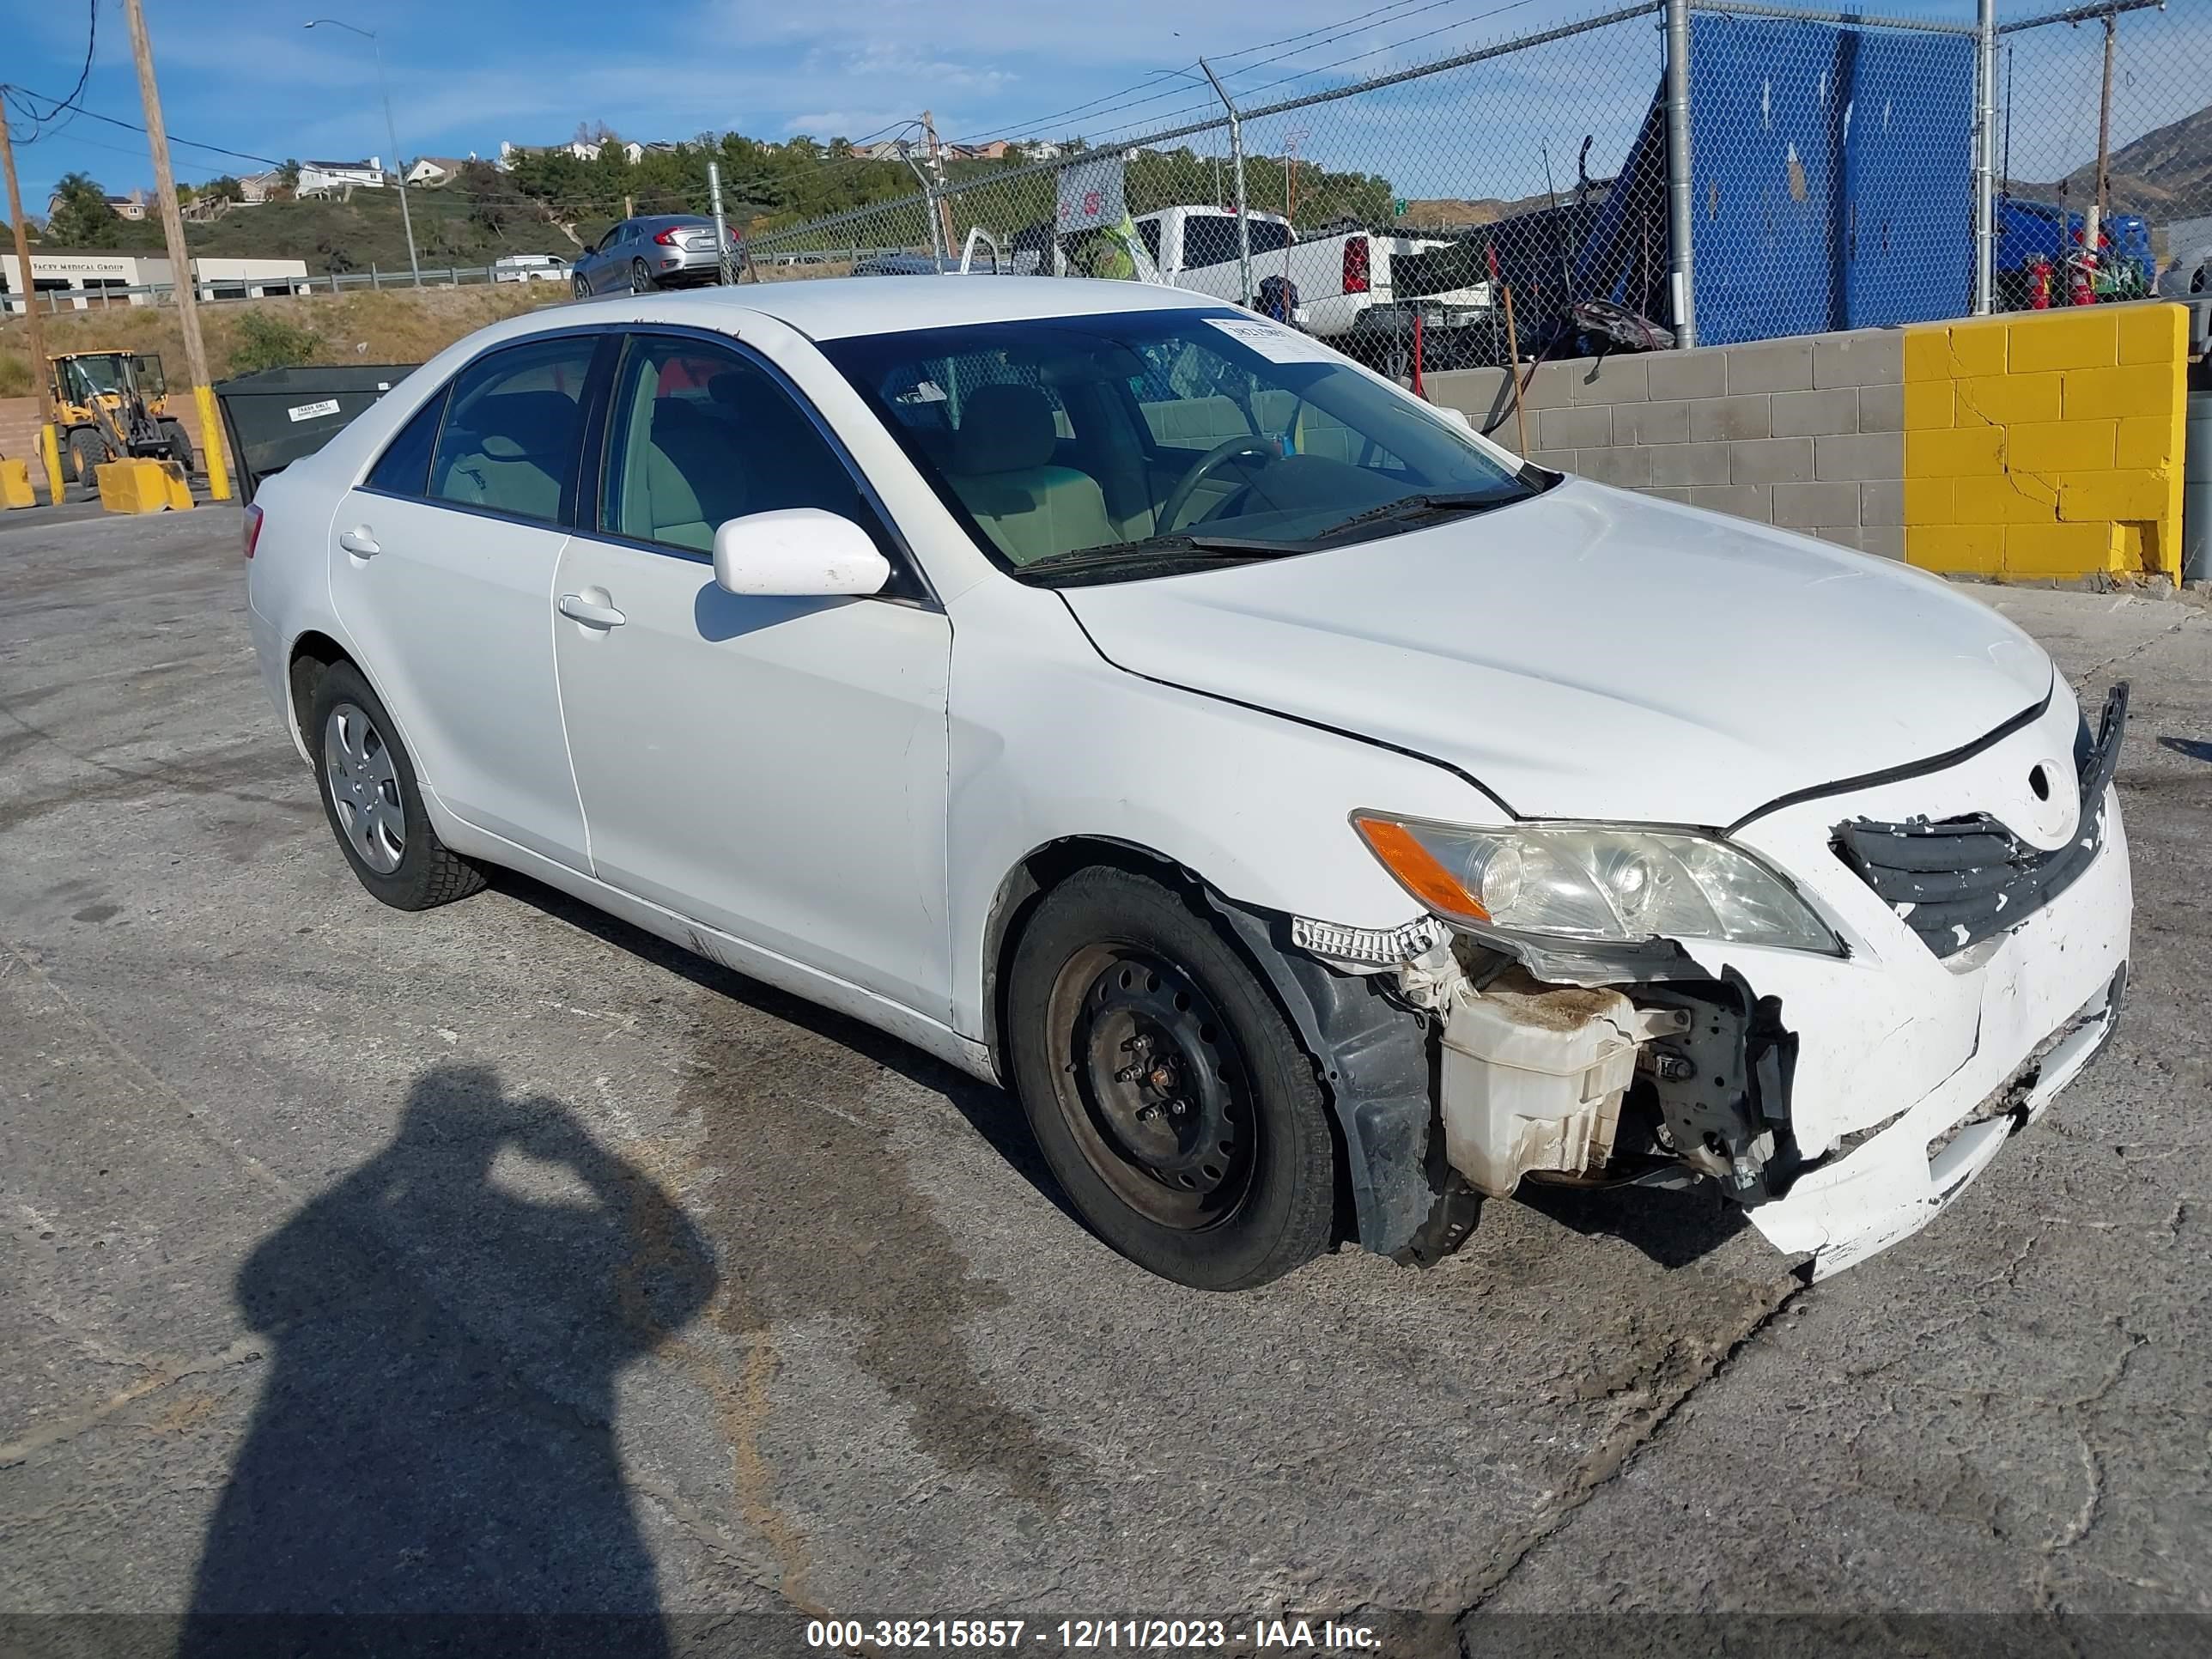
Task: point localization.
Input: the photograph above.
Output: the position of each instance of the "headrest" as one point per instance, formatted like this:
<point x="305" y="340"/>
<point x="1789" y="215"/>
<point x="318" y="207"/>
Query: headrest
<point x="510" y="425"/>
<point x="1004" y="428"/>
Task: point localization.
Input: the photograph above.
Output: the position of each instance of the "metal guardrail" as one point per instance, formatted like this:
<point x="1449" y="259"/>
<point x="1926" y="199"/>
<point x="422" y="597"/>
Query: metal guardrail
<point x="218" y="291"/>
<point x="55" y="300"/>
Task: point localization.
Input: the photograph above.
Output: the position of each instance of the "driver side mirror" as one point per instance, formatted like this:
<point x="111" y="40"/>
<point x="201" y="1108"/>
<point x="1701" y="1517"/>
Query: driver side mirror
<point x="795" y="553"/>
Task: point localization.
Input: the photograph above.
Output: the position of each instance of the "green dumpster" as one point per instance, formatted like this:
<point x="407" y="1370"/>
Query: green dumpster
<point x="280" y="414"/>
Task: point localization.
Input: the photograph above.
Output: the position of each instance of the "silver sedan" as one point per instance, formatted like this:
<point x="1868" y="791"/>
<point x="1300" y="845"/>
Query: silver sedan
<point x="663" y="250"/>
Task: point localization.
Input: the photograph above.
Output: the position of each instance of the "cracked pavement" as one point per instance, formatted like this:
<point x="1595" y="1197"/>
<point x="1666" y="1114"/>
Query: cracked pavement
<point x="504" y="1259"/>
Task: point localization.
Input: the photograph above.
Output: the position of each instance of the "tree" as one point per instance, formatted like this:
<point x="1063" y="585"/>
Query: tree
<point x="224" y="188"/>
<point x="81" y="217"/>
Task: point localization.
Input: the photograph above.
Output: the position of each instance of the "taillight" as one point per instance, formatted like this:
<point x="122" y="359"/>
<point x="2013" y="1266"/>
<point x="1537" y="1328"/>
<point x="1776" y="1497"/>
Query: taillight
<point x="1355" y="264"/>
<point x="666" y="238"/>
<point x="253" y="530"/>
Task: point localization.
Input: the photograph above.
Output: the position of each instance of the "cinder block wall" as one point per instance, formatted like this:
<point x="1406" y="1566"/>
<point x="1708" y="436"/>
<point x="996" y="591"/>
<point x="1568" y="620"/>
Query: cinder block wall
<point x="2048" y="444"/>
<point x="1807" y="434"/>
<point x="2038" y="446"/>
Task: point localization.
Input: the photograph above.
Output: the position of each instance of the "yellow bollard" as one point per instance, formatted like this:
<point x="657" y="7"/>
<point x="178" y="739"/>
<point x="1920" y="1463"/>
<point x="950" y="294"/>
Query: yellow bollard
<point x="218" y="468"/>
<point x="50" y="452"/>
<point x="15" y="483"/>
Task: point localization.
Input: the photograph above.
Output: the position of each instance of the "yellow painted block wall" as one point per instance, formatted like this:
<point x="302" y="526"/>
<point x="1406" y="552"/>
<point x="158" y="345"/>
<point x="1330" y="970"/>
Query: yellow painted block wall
<point x="2047" y="444"/>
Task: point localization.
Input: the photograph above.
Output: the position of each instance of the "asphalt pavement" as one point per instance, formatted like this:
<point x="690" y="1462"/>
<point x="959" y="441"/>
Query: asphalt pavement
<point x="504" y="1260"/>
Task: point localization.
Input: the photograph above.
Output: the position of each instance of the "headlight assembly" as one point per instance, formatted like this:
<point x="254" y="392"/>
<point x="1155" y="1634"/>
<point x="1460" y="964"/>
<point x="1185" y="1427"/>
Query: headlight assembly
<point x="1589" y="882"/>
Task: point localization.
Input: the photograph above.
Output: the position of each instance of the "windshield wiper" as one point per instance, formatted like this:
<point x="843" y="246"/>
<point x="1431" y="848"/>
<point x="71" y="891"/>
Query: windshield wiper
<point x="1169" y="547"/>
<point x="1406" y="506"/>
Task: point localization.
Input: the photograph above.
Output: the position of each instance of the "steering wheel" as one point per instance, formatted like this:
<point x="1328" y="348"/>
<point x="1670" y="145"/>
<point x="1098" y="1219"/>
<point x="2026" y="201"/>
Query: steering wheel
<point x="1179" y="498"/>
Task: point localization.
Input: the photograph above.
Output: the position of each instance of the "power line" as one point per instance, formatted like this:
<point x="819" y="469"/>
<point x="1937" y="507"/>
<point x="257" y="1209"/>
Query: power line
<point x="91" y="43"/>
<point x="22" y="93"/>
<point x="1392" y="46"/>
<point x="1225" y="56"/>
<point x="1036" y="123"/>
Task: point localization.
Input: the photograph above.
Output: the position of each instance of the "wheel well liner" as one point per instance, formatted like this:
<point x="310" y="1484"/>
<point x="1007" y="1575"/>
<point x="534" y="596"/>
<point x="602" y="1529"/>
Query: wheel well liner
<point x="314" y="654"/>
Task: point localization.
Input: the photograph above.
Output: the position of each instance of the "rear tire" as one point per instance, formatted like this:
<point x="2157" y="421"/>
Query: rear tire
<point x="370" y="797"/>
<point x="641" y="279"/>
<point x="1171" y="1099"/>
<point x="86" y="452"/>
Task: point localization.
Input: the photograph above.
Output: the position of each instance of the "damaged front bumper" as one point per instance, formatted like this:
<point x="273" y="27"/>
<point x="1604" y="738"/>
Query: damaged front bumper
<point x="1844" y="1100"/>
<point x="1896" y="1180"/>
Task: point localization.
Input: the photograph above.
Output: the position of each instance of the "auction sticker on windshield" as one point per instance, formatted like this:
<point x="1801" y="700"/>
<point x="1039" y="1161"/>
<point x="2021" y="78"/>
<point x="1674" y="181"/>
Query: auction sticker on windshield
<point x="1276" y="344"/>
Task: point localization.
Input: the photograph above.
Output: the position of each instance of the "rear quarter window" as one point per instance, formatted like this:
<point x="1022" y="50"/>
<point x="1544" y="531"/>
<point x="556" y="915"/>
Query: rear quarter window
<point x="403" y="469"/>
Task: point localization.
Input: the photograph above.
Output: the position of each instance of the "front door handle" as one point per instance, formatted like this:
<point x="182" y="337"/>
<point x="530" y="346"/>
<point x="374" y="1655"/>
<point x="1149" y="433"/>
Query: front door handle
<point x="576" y="608"/>
<point x="358" y="542"/>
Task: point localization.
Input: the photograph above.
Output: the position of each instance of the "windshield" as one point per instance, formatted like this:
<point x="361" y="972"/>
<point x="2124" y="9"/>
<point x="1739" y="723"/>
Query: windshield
<point x="96" y="374"/>
<point x="1117" y="447"/>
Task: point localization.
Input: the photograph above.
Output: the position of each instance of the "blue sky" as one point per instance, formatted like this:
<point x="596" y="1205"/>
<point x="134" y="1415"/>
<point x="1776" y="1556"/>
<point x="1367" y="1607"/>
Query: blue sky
<point x="465" y="74"/>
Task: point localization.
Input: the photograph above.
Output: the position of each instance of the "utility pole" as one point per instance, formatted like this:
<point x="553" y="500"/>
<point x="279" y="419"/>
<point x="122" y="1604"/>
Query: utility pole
<point x="1236" y="165"/>
<point x="47" y="453"/>
<point x="2104" y="148"/>
<point x="928" y="200"/>
<point x="937" y="172"/>
<point x="390" y="133"/>
<point x="721" y="227"/>
<point x="180" y="269"/>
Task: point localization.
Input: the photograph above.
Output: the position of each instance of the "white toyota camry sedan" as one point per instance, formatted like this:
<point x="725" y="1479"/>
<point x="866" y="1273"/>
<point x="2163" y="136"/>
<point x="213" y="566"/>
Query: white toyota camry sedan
<point x="1321" y="819"/>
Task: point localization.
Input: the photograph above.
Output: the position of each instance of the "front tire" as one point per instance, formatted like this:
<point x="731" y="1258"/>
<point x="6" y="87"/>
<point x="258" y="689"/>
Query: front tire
<point x="372" y="800"/>
<point x="579" y="288"/>
<point x="1169" y="1095"/>
<point x="87" y="452"/>
<point x="180" y="445"/>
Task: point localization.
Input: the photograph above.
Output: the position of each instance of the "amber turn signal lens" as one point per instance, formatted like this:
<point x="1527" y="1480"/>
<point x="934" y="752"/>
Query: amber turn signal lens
<point x="1416" y="869"/>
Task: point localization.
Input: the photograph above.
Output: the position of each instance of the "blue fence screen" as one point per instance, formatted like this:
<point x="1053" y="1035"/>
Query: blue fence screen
<point x="1834" y="176"/>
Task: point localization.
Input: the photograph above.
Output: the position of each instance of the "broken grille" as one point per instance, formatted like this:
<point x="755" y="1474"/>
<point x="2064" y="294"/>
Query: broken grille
<point x="1959" y="881"/>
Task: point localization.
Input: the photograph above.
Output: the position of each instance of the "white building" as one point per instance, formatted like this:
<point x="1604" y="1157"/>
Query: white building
<point x="582" y="149"/>
<point x="79" y="281"/>
<point x="322" y="178"/>
<point x="429" y="171"/>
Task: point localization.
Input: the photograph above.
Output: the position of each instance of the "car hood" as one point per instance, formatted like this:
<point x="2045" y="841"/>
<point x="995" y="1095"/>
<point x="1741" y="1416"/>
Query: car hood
<point x="1594" y="655"/>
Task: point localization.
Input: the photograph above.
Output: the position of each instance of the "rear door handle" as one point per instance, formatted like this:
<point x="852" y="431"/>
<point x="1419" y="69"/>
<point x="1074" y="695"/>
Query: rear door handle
<point x="577" y="608"/>
<point x="358" y="542"/>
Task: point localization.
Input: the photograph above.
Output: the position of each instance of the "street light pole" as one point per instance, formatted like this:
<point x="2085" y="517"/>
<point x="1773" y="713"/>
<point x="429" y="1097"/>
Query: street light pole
<point x="390" y="133"/>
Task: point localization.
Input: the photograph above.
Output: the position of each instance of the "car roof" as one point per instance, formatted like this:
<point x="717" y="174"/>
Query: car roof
<point x="838" y="307"/>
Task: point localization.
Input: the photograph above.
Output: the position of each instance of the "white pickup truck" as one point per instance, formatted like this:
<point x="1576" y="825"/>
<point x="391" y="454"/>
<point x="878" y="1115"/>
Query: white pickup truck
<point x="1356" y="287"/>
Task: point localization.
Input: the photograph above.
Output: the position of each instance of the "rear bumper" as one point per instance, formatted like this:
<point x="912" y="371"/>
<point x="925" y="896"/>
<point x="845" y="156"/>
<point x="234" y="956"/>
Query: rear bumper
<point x="676" y="265"/>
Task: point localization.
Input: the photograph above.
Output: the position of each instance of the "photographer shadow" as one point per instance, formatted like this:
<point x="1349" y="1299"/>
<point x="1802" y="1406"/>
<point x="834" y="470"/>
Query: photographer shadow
<point x="435" y="1441"/>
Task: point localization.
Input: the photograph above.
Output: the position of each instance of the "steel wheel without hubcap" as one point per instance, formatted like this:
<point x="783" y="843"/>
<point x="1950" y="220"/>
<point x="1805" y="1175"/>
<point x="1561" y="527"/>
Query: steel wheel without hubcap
<point x="364" y="788"/>
<point x="1152" y="1087"/>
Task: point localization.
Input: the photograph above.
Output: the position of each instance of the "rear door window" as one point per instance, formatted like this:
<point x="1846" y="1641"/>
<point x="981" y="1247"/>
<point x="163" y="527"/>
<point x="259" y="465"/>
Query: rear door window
<point x="514" y="429"/>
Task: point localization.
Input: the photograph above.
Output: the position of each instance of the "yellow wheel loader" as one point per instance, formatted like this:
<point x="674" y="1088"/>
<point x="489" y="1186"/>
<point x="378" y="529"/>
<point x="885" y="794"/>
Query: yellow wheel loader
<point x="112" y="404"/>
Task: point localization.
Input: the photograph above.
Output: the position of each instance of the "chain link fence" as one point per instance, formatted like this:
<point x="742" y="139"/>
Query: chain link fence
<point x="2132" y="82"/>
<point x="1513" y="200"/>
